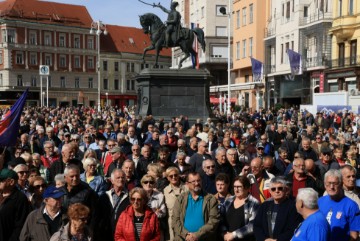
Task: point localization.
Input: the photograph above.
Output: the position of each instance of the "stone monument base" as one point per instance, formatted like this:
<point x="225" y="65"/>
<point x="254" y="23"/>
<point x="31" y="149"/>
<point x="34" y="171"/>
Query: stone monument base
<point x="171" y="93"/>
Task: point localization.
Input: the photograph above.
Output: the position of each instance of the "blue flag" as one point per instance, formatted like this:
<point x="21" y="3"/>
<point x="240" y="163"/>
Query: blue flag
<point x="295" y="62"/>
<point x="257" y="70"/>
<point x="10" y="123"/>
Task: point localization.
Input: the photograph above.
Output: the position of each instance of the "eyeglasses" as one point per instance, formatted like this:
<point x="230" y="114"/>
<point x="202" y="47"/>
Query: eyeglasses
<point x="93" y="165"/>
<point x="135" y="199"/>
<point x="210" y="167"/>
<point x="111" y="145"/>
<point x="327" y="154"/>
<point x="328" y="184"/>
<point x="86" y="137"/>
<point x="238" y="187"/>
<point x="273" y="189"/>
<point x="149" y="182"/>
<point x="23" y="172"/>
<point x="40" y="186"/>
<point x="174" y="176"/>
<point x="135" y="149"/>
<point x="67" y="136"/>
<point x="75" y="140"/>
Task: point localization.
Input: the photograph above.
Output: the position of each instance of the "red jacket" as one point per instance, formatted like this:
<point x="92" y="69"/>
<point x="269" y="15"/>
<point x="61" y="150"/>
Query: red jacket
<point x="125" y="229"/>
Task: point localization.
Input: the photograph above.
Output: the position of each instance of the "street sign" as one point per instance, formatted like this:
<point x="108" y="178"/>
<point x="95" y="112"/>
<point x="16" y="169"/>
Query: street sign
<point x="44" y="70"/>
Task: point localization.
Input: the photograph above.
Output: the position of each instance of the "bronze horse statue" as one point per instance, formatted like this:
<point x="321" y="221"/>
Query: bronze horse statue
<point x="184" y="38"/>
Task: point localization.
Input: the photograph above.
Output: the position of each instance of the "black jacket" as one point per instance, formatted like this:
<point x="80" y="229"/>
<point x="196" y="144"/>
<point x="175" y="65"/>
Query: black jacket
<point x="106" y="217"/>
<point x="13" y="213"/>
<point x="287" y="220"/>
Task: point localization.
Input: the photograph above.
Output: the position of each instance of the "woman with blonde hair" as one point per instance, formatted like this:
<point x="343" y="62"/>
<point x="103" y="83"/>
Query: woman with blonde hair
<point x="138" y="222"/>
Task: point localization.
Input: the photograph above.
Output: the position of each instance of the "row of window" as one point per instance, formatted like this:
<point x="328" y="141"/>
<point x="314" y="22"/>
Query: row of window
<point x="243" y="45"/>
<point x="130" y="84"/>
<point x="9" y="36"/>
<point x="33" y="60"/>
<point x="350" y="9"/>
<point x="241" y="17"/>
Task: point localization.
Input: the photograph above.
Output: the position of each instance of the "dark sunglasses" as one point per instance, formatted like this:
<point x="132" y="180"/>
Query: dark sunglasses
<point x="327" y="154"/>
<point x="38" y="186"/>
<point x="149" y="182"/>
<point x="173" y="176"/>
<point x="23" y="172"/>
<point x="135" y="199"/>
<point x="273" y="189"/>
<point x="208" y="167"/>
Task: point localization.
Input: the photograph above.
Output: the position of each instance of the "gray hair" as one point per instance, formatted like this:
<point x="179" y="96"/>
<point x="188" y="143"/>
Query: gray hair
<point x="88" y="161"/>
<point x="203" y="163"/>
<point x="59" y="177"/>
<point x="71" y="167"/>
<point x="120" y="136"/>
<point x="309" y="197"/>
<point x="113" y="173"/>
<point x="220" y="149"/>
<point x="279" y="179"/>
<point x="180" y="153"/>
<point x="18" y="166"/>
<point x="333" y="173"/>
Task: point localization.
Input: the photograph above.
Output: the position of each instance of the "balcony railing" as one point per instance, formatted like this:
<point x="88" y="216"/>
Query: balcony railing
<point x="313" y="62"/>
<point x="270" y="69"/>
<point x="314" y="18"/>
<point x="344" y="62"/>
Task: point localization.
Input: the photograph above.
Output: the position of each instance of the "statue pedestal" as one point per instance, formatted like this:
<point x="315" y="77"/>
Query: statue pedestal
<point x="171" y="93"/>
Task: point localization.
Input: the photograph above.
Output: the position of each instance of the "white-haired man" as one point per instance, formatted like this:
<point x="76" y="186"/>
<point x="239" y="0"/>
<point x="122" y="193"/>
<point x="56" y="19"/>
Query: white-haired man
<point x="314" y="226"/>
<point x="341" y="212"/>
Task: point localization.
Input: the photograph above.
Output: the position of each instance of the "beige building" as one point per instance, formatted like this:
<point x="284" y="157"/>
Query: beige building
<point x="249" y="20"/>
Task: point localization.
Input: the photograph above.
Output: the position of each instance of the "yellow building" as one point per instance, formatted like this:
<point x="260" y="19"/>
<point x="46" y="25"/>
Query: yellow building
<point x="249" y="21"/>
<point x="343" y="73"/>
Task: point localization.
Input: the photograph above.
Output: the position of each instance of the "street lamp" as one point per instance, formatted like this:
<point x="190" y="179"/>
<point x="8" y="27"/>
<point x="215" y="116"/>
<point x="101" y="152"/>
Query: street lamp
<point x="223" y="11"/>
<point x="107" y="99"/>
<point x="100" y="28"/>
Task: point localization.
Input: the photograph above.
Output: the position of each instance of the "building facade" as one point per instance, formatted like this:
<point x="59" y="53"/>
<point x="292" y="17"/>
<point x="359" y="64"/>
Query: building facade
<point x="206" y="15"/>
<point x="302" y="26"/>
<point x="35" y="33"/>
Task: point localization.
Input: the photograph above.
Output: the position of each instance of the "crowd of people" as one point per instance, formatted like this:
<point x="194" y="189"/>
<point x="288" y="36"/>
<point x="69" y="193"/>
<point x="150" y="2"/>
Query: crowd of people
<point x="79" y="174"/>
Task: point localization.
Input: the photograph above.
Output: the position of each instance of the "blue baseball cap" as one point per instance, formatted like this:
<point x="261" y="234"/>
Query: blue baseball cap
<point x="53" y="192"/>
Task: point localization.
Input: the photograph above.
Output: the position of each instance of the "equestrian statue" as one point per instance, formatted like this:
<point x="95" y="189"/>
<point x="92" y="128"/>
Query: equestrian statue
<point x="171" y="34"/>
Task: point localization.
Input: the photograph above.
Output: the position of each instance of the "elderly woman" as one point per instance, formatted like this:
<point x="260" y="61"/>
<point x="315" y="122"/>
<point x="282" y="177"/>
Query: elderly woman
<point x="156" y="199"/>
<point x="22" y="183"/>
<point x="240" y="211"/>
<point x="92" y="153"/>
<point x="91" y="177"/>
<point x="156" y="171"/>
<point x="171" y="192"/>
<point x="76" y="229"/>
<point x="138" y="221"/>
<point x="37" y="188"/>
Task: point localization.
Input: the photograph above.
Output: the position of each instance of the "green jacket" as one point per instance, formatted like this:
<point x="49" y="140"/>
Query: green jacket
<point x="211" y="218"/>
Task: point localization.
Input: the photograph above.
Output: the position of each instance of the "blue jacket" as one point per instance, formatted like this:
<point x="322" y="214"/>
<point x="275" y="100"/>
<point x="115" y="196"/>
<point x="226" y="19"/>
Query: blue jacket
<point x="98" y="184"/>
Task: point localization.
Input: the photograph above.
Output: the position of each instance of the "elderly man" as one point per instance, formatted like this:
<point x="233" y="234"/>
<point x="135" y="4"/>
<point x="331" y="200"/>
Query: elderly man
<point x="208" y="176"/>
<point x="325" y="162"/>
<point x="276" y="219"/>
<point x="222" y="164"/>
<point x="117" y="159"/>
<point x="201" y="155"/>
<point x="50" y="156"/>
<point x="14" y="206"/>
<point x="299" y="178"/>
<point x="259" y="179"/>
<point x="111" y="205"/>
<point x="236" y="166"/>
<point x="306" y="149"/>
<point x="314" y="226"/>
<point x="42" y="223"/>
<point x="67" y="157"/>
<point x="341" y="212"/>
<point x="348" y="174"/>
<point x="197" y="216"/>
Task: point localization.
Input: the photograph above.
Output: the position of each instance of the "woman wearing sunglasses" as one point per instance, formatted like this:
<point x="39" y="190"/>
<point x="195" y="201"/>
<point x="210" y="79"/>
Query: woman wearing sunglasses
<point x="138" y="222"/>
<point x="37" y="188"/>
<point x="239" y="212"/>
<point x="171" y="193"/>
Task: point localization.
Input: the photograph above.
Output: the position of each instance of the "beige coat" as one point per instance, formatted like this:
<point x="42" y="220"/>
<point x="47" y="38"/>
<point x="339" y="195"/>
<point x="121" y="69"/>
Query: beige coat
<point x="171" y="195"/>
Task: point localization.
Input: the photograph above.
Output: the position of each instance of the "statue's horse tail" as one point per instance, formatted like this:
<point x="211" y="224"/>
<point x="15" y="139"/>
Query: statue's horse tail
<point x="201" y="38"/>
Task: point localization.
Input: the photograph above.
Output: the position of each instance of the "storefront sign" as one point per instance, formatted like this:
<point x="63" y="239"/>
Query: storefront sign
<point x="321" y="83"/>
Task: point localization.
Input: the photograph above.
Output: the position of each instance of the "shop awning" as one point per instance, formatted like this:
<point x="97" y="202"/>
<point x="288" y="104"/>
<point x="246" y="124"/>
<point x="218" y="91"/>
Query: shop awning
<point x="216" y="101"/>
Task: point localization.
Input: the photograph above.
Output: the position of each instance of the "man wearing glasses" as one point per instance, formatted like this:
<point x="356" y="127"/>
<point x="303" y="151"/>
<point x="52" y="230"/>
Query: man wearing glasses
<point x="208" y="176"/>
<point x="341" y="212"/>
<point x="197" y="216"/>
<point x="276" y="219"/>
<point x="326" y="163"/>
